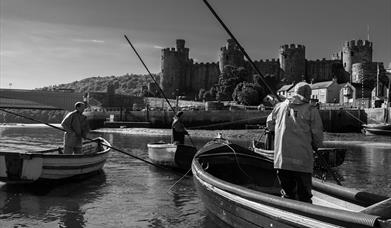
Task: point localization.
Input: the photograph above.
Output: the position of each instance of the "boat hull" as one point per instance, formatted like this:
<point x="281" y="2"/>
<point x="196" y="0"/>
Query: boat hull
<point x="377" y="129"/>
<point x="171" y="155"/>
<point x="51" y="165"/>
<point x="240" y="187"/>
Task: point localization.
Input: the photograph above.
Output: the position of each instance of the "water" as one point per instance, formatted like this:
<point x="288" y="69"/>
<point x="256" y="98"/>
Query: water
<point x="131" y="193"/>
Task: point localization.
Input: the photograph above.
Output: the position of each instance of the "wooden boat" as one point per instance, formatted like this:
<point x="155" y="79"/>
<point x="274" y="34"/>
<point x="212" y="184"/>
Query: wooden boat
<point x="331" y="157"/>
<point x="240" y="187"/>
<point x="171" y="155"/>
<point x="50" y="165"/>
<point x="377" y="129"/>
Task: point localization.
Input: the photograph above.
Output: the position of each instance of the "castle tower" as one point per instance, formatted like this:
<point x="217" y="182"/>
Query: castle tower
<point x="231" y="55"/>
<point x="175" y="69"/>
<point x="365" y="73"/>
<point x="292" y="62"/>
<point x="356" y="52"/>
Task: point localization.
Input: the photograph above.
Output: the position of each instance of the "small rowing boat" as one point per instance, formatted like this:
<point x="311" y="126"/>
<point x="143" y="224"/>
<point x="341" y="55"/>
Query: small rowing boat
<point x="377" y="129"/>
<point x="240" y="187"/>
<point x="171" y="155"/>
<point x="50" y="165"/>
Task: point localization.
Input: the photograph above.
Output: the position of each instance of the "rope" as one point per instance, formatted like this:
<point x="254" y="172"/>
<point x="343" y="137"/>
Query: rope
<point x="237" y="162"/>
<point x="351" y="115"/>
<point x="227" y="123"/>
<point x="169" y="190"/>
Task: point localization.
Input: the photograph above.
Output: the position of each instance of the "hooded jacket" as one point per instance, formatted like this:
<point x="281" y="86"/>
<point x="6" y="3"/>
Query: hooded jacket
<point x="298" y="131"/>
<point x="76" y="127"/>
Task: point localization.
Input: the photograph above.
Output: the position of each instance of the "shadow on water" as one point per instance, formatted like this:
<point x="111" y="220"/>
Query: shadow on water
<point x="50" y="202"/>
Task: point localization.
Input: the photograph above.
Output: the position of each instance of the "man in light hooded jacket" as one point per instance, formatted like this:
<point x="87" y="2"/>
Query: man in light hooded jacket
<point x="76" y="128"/>
<point x="298" y="132"/>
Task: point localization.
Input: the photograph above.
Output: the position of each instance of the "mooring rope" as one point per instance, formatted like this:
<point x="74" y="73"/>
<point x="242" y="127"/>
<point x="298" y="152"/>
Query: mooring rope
<point x="180" y="179"/>
<point x="227" y="123"/>
<point x="351" y="115"/>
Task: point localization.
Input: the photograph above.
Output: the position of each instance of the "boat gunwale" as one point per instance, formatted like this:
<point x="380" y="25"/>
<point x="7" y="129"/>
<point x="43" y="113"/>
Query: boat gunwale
<point x="287" y="204"/>
<point x="42" y="154"/>
<point x="269" y="214"/>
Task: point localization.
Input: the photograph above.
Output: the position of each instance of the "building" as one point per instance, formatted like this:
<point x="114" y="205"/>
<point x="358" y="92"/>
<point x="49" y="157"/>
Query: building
<point x="180" y="75"/>
<point x="354" y="95"/>
<point x="326" y="92"/>
<point x="286" y="91"/>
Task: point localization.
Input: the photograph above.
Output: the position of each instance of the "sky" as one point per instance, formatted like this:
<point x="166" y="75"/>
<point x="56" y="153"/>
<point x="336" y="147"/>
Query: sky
<point x="50" y="42"/>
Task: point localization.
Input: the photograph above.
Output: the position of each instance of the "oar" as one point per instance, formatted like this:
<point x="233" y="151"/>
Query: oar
<point x="154" y="80"/>
<point x="29" y="118"/>
<point x="191" y="140"/>
<point x="263" y="80"/>
<point x="328" y="167"/>
<point x="62" y="129"/>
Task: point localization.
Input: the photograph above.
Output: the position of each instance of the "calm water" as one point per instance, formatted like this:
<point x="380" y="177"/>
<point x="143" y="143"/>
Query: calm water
<point x="131" y="193"/>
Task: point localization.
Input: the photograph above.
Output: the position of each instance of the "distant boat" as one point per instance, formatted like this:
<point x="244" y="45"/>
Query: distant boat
<point x="377" y="129"/>
<point x="171" y="155"/>
<point x="52" y="165"/>
<point x="240" y="187"/>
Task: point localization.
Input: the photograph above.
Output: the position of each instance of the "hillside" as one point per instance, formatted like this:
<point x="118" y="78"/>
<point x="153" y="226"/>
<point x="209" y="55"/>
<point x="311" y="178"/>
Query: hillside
<point x="129" y="84"/>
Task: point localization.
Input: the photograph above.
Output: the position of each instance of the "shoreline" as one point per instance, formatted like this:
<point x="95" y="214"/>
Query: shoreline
<point x="228" y="134"/>
<point x="358" y="139"/>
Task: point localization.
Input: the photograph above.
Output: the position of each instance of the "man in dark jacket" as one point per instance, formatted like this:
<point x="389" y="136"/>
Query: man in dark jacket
<point x="178" y="129"/>
<point x="76" y="128"/>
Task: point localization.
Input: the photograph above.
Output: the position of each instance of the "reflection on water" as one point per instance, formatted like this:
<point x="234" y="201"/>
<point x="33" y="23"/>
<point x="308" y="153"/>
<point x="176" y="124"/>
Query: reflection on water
<point x="131" y="193"/>
<point x="49" y="204"/>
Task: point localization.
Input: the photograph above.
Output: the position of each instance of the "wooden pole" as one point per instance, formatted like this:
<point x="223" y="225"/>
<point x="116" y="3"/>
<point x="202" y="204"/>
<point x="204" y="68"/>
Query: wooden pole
<point x="242" y="50"/>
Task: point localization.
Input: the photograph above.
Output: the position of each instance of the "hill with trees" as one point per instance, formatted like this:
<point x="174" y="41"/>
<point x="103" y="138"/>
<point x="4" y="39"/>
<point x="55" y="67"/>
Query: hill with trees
<point x="128" y="84"/>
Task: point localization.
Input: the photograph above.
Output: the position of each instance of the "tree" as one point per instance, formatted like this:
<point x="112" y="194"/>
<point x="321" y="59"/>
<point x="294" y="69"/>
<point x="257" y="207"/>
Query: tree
<point x="228" y="80"/>
<point x="245" y="93"/>
<point x="210" y="95"/>
<point x="201" y="94"/>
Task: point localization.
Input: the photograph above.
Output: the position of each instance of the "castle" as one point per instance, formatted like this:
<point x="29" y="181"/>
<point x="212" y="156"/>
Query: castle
<point x="181" y="75"/>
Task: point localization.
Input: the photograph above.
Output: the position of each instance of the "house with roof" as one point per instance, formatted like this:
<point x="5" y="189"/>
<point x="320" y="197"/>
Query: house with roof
<point x="286" y="91"/>
<point x="355" y="95"/>
<point x="326" y="92"/>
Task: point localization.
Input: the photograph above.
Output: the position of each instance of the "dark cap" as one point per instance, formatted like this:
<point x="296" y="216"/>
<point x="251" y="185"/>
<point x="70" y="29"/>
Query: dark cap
<point x="303" y="90"/>
<point x="79" y="103"/>
<point x="178" y="114"/>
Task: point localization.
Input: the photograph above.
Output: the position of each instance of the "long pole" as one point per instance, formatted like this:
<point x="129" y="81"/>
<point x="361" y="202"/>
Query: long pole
<point x="161" y="91"/>
<point x="242" y="50"/>
<point x="62" y="129"/>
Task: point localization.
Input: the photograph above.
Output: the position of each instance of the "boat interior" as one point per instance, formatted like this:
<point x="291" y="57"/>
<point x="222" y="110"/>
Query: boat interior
<point x="89" y="147"/>
<point x="251" y="172"/>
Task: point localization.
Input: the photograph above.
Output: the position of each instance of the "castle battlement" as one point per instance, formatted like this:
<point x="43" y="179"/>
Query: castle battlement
<point x="205" y="63"/>
<point x="273" y="60"/>
<point x="358" y="43"/>
<point x="336" y="56"/>
<point x="321" y="60"/>
<point x="287" y="47"/>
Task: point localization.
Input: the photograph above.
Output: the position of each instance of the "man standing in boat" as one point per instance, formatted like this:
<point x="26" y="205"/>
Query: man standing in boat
<point x="178" y="129"/>
<point x="298" y="132"/>
<point x="76" y="128"/>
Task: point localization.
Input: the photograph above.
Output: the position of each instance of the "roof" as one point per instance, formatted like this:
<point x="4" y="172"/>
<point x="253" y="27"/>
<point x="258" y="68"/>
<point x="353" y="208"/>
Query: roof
<point x="286" y="87"/>
<point x="321" y="85"/>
